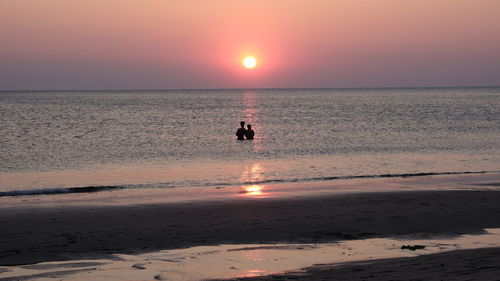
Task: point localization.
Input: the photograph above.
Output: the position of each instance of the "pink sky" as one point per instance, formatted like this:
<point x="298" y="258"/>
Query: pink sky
<point x="158" y="44"/>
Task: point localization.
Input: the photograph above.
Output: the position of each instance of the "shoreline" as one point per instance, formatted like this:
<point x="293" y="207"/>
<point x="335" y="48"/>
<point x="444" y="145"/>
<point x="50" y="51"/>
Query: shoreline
<point x="290" y="190"/>
<point x="33" y="235"/>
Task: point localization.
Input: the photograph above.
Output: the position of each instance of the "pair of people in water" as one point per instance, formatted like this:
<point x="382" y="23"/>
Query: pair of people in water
<point x="243" y="133"/>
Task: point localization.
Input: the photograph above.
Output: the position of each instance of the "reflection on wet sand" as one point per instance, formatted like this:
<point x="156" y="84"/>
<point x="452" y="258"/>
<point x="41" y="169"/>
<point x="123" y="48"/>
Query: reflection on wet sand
<point x="253" y="190"/>
<point x="233" y="261"/>
<point x="253" y="273"/>
<point x="252" y="174"/>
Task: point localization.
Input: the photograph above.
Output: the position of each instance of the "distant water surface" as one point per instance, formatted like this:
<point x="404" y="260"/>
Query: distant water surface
<point x="51" y="141"/>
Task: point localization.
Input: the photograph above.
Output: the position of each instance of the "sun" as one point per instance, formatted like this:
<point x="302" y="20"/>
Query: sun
<point x="249" y="62"/>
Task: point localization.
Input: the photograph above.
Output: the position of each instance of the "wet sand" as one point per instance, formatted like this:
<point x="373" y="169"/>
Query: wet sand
<point x="462" y="265"/>
<point x="31" y="234"/>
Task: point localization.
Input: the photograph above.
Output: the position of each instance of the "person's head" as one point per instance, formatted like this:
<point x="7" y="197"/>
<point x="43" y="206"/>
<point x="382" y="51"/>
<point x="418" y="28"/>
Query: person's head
<point x="249" y="126"/>
<point x="242" y="123"/>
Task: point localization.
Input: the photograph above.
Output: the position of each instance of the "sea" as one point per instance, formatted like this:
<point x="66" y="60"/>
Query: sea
<point x="59" y="142"/>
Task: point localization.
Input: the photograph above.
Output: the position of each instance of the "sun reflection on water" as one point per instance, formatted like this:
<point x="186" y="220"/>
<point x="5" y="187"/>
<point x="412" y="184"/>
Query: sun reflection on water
<point x="253" y="190"/>
<point x="252" y="174"/>
<point x="251" y="109"/>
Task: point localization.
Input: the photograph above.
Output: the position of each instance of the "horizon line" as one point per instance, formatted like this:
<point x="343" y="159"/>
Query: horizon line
<point x="263" y="88"/>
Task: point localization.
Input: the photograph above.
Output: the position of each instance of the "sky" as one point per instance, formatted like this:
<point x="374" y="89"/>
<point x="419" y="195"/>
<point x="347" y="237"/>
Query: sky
<point x="178" y="44"/>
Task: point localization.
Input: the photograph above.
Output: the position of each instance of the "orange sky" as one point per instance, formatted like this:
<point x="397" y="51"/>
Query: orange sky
<point x="157" y="44"/>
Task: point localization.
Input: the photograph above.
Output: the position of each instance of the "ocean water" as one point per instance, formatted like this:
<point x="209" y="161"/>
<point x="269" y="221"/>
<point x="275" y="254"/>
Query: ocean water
<point x="85" y="141"/>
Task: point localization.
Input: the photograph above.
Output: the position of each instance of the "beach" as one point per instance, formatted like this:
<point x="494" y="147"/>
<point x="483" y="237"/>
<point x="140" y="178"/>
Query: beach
<point x="34" y="234"/>
<point x="119" y="185"/>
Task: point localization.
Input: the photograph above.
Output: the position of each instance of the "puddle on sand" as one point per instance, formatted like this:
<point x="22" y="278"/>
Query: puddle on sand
<point x="230" y="261"/>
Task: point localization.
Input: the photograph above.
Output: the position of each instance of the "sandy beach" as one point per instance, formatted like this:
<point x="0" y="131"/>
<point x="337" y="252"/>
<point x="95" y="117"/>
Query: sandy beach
<point x="31" y="235"/>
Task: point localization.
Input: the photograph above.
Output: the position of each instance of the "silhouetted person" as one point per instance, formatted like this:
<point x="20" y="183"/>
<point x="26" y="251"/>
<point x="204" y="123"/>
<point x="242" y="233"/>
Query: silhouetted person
<point x="240" y="133"/>
<point x="249" y="133"/>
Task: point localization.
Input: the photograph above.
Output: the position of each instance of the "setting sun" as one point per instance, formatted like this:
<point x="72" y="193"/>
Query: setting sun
<point x="249" y="62"/>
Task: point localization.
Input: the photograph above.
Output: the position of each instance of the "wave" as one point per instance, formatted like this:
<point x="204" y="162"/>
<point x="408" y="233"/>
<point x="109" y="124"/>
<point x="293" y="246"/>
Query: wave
<point x="61" y="190"/>
<point x="91" y="189"/>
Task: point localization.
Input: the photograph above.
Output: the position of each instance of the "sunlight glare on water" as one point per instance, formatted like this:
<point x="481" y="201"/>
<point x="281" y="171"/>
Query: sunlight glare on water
<point x="180" y="138"/>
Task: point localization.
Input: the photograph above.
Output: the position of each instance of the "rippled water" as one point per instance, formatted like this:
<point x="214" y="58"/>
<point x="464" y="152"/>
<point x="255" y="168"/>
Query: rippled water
<point x="181" y="138"/>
